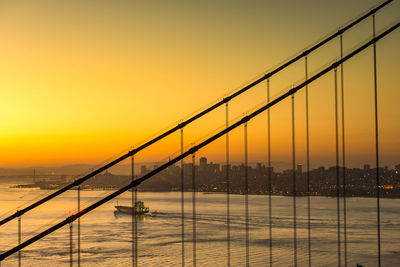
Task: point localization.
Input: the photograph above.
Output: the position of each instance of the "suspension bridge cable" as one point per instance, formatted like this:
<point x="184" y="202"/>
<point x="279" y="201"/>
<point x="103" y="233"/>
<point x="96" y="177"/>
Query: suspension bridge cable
<point x="269" y="176"/>
<point x="337" y="170"/>
<point x="246" y="195"/>
<point x="308" y="167"/>
<point x="378" y="211"/>
<point x="71" y="260"/>
<point x="294" y="187"/>
<point x="192" y="150"/>
<point x="228" y="216"/>
<point x="343" y="158"/>
<point x="136" y="231"/>
<point x="194" y="208"/>
<point x="133" y="224"/>
<point x="19" y="240"/>
<point x="182" y="206"/>
<point x="195" y="117"/>
<point x="79" y="226"/>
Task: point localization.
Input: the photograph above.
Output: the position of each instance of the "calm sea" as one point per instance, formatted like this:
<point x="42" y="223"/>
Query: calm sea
<point x="106" y="235"/>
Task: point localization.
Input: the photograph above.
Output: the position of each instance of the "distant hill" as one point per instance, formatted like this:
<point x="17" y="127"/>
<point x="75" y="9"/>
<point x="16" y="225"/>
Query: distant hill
<point x="74" y="169"/>
<point x="67" y="169"/>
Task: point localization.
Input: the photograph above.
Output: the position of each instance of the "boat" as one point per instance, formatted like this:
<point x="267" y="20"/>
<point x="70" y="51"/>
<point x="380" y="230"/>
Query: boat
<point x="139" y="206"/>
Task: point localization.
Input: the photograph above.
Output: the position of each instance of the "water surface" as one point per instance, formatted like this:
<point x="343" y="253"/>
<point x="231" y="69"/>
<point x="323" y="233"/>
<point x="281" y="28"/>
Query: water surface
<point x="106" y="236"/>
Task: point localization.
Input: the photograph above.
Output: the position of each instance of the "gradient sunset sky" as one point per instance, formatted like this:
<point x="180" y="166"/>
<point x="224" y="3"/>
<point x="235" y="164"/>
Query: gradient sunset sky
<point x="83" y="80"/>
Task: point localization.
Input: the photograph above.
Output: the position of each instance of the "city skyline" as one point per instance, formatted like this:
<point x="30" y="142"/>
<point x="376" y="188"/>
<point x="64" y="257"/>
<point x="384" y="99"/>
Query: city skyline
<point x="211" y="177"/>
<point x="125" y="169"/>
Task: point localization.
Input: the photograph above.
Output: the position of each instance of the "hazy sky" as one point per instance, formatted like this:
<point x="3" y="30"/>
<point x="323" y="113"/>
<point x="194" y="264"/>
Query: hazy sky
<point x="83" y="80"/>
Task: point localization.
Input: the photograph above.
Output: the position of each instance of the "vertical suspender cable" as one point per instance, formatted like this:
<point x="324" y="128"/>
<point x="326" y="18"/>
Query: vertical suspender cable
<point x="79" y="227"/>
<point x="308" y="167"/>
<point x="246" y="197"/>
<point x="19" y="240"/>
<point x="269" y="176"/>
<point x="337" y="171"/>
<point x="136" y="229"/>
<point x="294" y="188"/>
<point x="228" y="216"/>
<point x="70" y="246"/>
<point x="378" y="211"/>
<point x="343" y="157"/>
<point x="182" y="205"/>
<point x="194" y="206"/>
<point x="133" y="212"/>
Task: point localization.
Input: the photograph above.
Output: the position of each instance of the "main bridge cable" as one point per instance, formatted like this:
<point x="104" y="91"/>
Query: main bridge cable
<point x="196" y="148"/>
<point x="195" y="117"/>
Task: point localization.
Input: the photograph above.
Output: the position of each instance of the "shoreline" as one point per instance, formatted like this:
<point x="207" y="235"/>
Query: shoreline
<point x="332" y="194"/>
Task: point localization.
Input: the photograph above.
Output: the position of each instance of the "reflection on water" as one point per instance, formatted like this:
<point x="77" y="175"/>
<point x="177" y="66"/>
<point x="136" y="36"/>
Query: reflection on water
<point x="106" y="236"/>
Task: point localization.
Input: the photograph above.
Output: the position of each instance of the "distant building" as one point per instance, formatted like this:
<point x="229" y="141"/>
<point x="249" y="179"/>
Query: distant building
<point x="367" y="167"/>
<point x="287" y="172"/>
<point x="187" y="167"/>
<point x="213" y="167"/>
<point x="203" y="162"/>
<point x="397" y="168"/>
<point x="270" y="168"/>
<point x="224" y="168"/>
<point x="386" y="169"/>
<point x="299" y="168"/>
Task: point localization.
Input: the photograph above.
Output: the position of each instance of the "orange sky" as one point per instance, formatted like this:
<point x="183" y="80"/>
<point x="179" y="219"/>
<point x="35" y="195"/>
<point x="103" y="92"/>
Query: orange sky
<point x="82" y="81"/>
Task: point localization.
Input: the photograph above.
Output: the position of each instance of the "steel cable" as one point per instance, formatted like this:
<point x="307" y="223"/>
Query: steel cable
<point x="228" y="218"/>
<point x="182" y="206"/>
<point x="246" y="195"/>
<point x="269" y="176"/>
<point x="337" y="170"/>
<point x="194" y="208"/>
<point x="343" y="158"/>
<point x="294" y="187"/>
<point x="308" y="167"/>
<point x="378" y="211"/>
<point x="133" y="221"/>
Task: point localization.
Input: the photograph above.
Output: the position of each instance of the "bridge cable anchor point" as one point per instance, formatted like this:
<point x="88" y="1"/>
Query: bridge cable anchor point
<point x="181" y="125"/>
<point x="268" y="75"/>
<point x="226" y="99"/>
<point x="306" y="52"/>
<point x="18" y="213"/>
